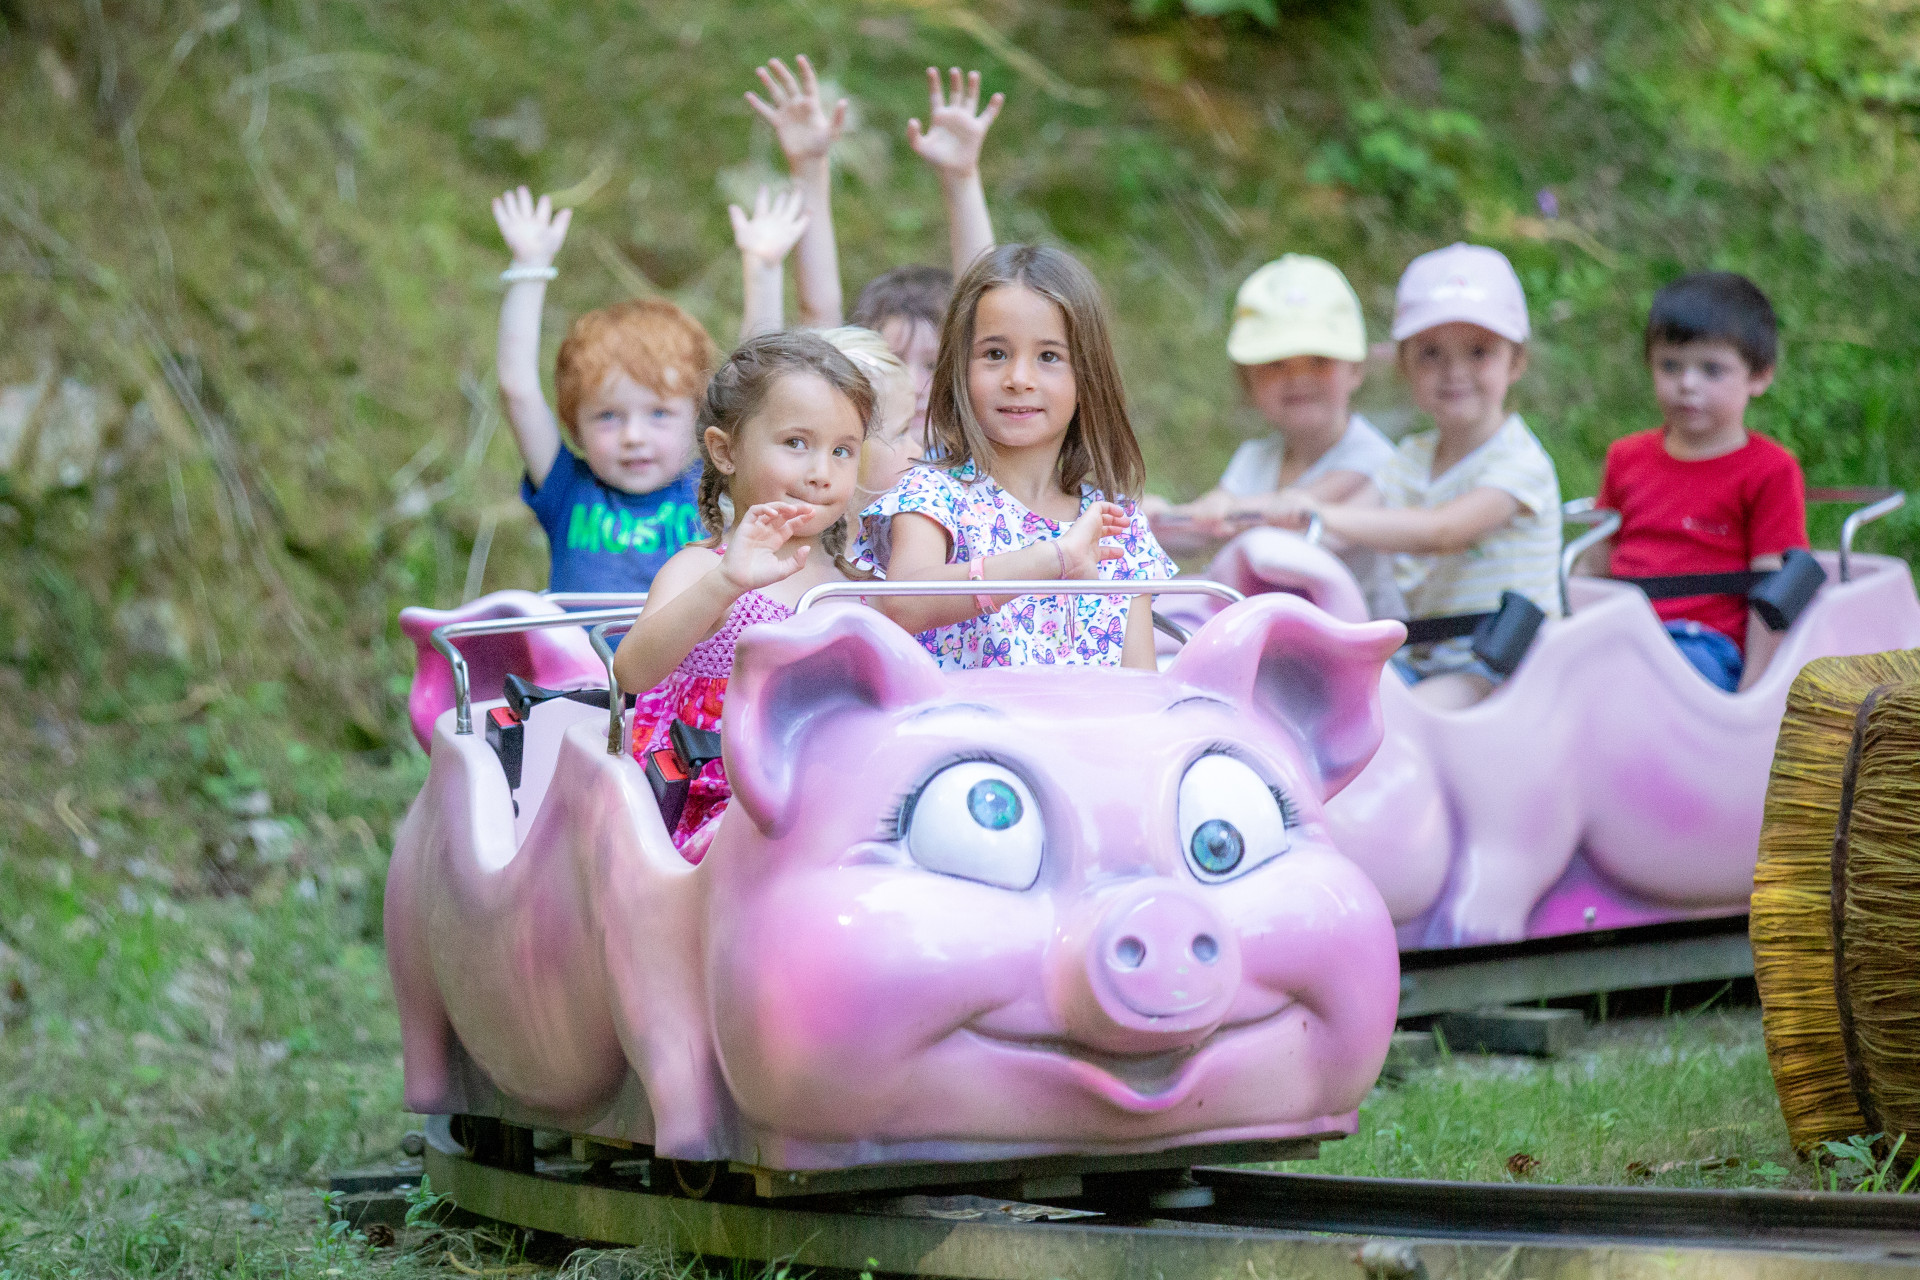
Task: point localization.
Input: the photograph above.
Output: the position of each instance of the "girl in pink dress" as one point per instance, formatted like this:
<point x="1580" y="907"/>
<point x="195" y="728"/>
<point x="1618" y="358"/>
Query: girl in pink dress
<point x="1035" y="474"/>
<point x="780" y="433"/>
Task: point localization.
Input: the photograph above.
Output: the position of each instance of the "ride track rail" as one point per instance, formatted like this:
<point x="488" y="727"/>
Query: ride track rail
<point x="1260" y="1226"/>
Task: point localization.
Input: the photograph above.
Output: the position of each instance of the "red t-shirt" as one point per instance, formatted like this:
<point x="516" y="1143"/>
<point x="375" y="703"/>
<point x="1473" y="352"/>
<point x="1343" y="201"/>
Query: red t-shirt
<point x="1710" y="516"/>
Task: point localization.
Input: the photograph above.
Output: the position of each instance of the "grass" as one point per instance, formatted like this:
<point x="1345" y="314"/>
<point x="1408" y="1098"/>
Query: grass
<point x="260" y="230"/>
<point x="1684" y="1101"/>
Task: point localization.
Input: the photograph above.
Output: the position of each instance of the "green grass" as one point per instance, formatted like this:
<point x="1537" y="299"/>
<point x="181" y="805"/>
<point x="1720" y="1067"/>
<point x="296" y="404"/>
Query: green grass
<point x="1677" y="1102"/>
<point x="266" y="223"/>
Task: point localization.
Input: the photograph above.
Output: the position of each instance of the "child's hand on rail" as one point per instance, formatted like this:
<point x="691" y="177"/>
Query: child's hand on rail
<point x="956" y="124"/>
<point x="532" y="230"/>
<point x="806" y="129"/>
<point x="761" y="550"/>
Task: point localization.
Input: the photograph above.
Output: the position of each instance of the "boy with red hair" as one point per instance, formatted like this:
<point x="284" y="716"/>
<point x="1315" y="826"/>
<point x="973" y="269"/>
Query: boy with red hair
<point x="628" y="379"/>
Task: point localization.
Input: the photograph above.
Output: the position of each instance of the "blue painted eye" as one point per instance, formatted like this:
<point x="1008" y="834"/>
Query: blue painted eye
<point x="993" y="804"/>
<point x="978" y="820"/>
<point x="1217" y="847"/>
<point x="1231" y="820"/>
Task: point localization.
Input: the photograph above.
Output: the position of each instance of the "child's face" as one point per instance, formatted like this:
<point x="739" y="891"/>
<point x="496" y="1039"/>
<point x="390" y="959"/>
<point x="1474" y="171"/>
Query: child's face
<point x="1703" y="387"/>
<point x="894" y="445"/>
<point x="633" y="438"/>
<point x="917" y="344"/>
<point x="802" y="446"/>
<point x="1020" y="373"/>
<point x="1306" y="394"/>
<point x="1460" y="373"/>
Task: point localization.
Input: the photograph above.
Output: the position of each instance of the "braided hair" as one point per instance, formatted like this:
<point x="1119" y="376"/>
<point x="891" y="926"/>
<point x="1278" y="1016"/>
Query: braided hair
<point x="735" y="394"/>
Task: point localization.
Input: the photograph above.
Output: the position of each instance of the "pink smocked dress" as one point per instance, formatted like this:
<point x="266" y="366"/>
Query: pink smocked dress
<point x="696" y="692"/>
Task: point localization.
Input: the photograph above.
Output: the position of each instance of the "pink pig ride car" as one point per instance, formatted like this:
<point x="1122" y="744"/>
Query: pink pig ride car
<point x="948" y="917"/>
<point x="1604" y="784"/>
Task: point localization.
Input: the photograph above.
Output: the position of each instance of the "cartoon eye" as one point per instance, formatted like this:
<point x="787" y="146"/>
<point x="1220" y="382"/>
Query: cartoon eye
<point x="976" y="820"/>
<point x="1230" y="819"/>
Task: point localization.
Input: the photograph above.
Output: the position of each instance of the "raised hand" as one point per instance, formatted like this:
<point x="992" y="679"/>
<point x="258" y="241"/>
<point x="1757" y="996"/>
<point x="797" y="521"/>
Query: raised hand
<point x="760" y="549"/>
<point x="1081" y="547"/>
<point x="532" y="230"/>
<point x="768" y="234"/>
<point x="956" y="124"/>
<point x="805" y="127"/>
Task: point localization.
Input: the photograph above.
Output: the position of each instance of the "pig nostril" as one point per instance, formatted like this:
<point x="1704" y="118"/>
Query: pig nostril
<point x="1130" y="952"/>
<point x="1205" y="949"/>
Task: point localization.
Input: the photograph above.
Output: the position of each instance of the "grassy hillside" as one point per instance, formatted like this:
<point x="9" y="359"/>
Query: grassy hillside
<point x="245" y="253"/>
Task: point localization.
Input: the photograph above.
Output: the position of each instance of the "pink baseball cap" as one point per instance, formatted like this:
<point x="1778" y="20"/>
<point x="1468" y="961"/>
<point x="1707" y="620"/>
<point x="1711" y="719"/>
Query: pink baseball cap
<point x="1462" y="282"/>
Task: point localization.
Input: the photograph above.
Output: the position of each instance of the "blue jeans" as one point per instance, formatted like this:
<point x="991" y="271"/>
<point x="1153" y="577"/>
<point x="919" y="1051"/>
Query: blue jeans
<point x="1712" y="654"/>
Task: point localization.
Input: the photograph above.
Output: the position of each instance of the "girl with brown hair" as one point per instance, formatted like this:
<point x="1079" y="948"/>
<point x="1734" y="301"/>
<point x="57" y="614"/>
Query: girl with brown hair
<point x="1036" y="475"/>
<point x="781" y="428"/>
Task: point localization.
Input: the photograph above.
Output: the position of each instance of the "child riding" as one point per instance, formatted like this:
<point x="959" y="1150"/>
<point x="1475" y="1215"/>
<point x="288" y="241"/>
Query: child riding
<point x="1701" y="493"/>
<point x="627" y="379"/>
<point x="1299" y="343"/>
<point x="780" y="431"/>
<point x="1472" y="506"/>
<point x="1036" y="465"/>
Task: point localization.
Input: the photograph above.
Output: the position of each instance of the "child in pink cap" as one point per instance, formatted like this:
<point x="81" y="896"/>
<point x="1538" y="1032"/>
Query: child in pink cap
<point x="1472" y="507"/>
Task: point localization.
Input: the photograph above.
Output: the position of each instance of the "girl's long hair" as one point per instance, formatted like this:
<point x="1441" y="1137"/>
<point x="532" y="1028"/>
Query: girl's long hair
<point x="1100" y="442"/>
<point x="738" y="389"/>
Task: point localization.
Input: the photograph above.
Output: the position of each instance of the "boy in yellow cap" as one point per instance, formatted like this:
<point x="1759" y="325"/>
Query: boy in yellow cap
<point x="1300" y="343"/>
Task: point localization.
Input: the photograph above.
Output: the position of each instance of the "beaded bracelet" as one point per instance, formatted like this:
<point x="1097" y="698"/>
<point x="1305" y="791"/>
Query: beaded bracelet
<point x="515" y="274"/>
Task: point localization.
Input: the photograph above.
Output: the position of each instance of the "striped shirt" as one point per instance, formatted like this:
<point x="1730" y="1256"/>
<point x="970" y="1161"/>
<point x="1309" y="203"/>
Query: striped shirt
<point x="1522" y="555"/>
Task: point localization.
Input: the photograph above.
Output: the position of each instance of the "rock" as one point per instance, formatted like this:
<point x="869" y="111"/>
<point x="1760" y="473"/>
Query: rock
<point x="19" y="405"/>
<point x="73" y="422"/>
<point x="153" y="627"/>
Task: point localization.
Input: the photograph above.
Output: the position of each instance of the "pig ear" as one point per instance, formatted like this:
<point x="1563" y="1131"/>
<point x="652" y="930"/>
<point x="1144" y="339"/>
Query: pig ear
<point x="791" y="677"/>
<point x="1282" y="658"/>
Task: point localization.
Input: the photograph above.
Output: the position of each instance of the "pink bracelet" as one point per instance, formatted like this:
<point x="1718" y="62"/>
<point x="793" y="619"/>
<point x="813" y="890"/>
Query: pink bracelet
<point x="977" y="571"/>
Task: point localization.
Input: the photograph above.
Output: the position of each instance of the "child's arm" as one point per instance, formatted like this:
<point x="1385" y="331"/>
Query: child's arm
<point x="807" y="132"/>
<point x="1136" y="650"/>
<point x="1217" y="514"/>
<point x="1448" y="529"/>
<point x="1762" y="640"/>
<point x="694" y="590"/>
<point x="764" y="240"/>
<point x="956" y="130"/>
<point x="920" y="549"/>
<point x="534" y="233"/>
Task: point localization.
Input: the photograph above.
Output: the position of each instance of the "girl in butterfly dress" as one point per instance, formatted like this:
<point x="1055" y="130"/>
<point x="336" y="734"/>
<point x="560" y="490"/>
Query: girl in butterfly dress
<point x="780" y="433"/>
<point x="1036" y="475"/>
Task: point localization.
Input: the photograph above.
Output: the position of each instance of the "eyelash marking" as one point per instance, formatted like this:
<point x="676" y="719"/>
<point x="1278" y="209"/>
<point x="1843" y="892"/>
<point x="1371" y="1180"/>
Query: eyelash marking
<point x="1289" y="807"/>
<point x="895" y="822"/>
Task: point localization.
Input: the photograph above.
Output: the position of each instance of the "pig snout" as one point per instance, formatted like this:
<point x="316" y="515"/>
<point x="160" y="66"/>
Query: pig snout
<point x="1151" y="967"/>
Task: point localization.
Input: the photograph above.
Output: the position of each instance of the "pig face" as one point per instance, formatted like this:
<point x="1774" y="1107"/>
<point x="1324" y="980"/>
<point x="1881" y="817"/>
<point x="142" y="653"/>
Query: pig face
<point x="1055" y="906"/>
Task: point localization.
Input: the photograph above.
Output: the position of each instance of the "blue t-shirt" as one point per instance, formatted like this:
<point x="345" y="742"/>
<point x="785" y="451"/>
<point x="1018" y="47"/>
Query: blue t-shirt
<point x="604" y="539"/>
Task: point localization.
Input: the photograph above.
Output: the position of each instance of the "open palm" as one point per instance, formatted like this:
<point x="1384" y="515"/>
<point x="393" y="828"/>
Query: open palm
<point x="805" y="127"/>
<point x="769" y="233"/>
<point x="956" y="123"/>
<point x="532" y="230"/>
<point x="760" y="551"/>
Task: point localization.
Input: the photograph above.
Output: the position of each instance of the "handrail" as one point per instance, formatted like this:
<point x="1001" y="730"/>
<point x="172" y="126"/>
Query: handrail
<point x="444" y="636"/>
<point x="616" y="700"/>
<point x="1605" y="524"/>
<point x="1022" y="587"/>
<point x="1881" y="501"/>
<point x="595" y="599"/>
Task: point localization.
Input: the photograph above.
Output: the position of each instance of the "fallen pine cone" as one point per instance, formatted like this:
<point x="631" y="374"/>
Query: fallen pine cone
<point x="379" y="1235"/>
<point x="1520" y="1164"/>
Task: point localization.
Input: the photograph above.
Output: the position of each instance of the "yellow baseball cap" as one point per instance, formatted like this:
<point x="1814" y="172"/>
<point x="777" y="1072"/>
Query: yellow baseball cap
<point x="1296" y="306"/>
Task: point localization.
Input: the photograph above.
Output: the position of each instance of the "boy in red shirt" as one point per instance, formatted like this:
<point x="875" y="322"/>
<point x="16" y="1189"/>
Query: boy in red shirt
<point x="1702" y="494"/>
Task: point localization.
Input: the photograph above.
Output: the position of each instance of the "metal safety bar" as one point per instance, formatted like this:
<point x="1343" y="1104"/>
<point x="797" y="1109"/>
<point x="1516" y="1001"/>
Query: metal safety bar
<point x="616" y="700"/>
<point x="443" y="638"/>
<point x="1881" y="501"/>
<point x="595" y="599"/>
<point x="1605" y="524"/>
<point x="1021" y="587"/>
